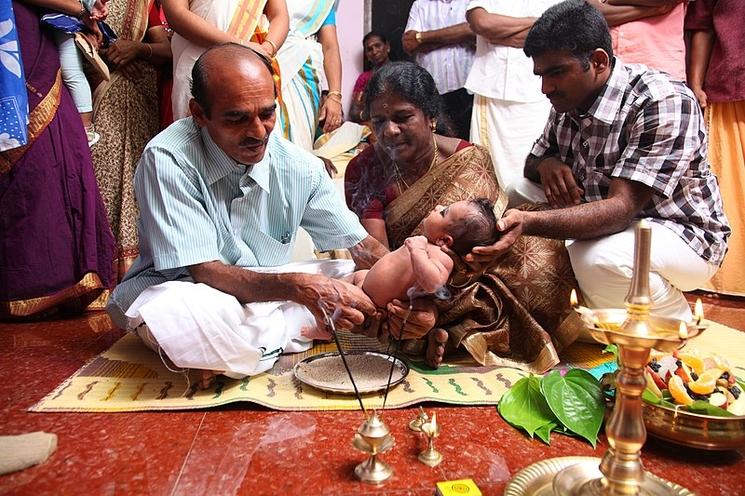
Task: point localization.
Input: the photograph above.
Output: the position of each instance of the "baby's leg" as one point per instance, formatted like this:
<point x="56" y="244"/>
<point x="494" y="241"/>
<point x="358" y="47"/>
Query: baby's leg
<point x="71" y="62"/>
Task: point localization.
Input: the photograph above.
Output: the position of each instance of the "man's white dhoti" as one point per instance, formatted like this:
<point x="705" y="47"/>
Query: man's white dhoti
<point x="199" y="327"/>
<point x="509" y="130"/>
<point x="604" y="266"/>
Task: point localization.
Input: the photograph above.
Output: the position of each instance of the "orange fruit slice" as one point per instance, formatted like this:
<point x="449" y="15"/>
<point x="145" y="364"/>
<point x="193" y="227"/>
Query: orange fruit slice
<point x="696" y="363"/>
<point x="706" y="382"/>
<point x="678" y="391"/>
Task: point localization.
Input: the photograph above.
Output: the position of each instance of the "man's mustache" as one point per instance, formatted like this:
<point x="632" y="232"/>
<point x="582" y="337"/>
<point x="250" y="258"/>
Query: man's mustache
<point x="253" y="142"/>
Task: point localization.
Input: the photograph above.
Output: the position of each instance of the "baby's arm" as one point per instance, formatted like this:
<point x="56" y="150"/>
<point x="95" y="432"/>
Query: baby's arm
<point x="431" y="266"/>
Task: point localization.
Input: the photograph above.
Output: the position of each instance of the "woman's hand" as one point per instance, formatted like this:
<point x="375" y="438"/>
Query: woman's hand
<point x="258" y="48"/>
<point x="122" y="52"/>
<point x="331" y="114"/>
<point x="420" y="321"/>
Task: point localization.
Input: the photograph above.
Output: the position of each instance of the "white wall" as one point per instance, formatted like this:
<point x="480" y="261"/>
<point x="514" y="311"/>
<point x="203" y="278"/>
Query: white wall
<point x="350" y="18"/>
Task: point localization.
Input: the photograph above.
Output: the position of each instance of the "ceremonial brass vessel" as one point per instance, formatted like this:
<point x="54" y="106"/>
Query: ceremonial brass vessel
<point x="694" y="430"/>
<point x="635" y="332"/>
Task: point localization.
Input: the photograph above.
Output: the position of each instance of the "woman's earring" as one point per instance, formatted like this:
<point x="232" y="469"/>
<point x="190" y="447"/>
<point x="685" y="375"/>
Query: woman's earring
<point x="433" y="125"/>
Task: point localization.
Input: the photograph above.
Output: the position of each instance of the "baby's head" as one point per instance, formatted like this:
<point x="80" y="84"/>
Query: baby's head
<point x="462" y="225"/>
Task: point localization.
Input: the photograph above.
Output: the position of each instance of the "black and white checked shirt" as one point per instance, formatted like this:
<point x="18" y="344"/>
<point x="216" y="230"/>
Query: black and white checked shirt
<point x="647" y="128"/>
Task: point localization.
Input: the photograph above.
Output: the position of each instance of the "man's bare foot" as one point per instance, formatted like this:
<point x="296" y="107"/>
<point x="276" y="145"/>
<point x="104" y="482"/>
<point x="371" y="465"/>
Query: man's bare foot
<point x="436" y="340"/>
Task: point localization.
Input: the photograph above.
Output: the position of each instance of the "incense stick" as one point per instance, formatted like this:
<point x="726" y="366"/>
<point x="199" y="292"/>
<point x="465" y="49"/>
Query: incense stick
<point x="394" y="357"/>
<point x="332" y="328"/>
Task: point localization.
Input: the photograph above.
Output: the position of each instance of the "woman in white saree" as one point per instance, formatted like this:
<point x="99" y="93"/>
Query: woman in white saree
<point x="309" y="62"/>
<point x="200" y="24"/>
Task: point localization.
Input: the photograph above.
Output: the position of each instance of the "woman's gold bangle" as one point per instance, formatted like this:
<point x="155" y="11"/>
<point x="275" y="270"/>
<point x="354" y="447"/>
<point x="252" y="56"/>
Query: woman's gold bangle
<point x="274" y="47"/>
<point x="336" y="94"/>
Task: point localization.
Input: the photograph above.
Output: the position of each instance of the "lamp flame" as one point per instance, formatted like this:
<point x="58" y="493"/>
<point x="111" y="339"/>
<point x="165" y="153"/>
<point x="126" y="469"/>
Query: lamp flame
<point x="434" y="422"/>
<point x="683" y="331"/>
<point x="698" y="311"/>
<point x="573" y="301"/>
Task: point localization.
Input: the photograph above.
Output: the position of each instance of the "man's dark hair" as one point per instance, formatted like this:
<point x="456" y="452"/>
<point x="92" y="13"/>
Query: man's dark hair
<point x="478" y="228"/>
<point x="411" y="83"/>
<point x="572" y="25"/>
<point x="199" y="82"/>
<point x="374" y="34"/>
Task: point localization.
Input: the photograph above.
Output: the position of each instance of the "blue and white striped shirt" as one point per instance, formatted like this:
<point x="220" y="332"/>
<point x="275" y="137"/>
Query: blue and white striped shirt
<point x="198" y="205"/>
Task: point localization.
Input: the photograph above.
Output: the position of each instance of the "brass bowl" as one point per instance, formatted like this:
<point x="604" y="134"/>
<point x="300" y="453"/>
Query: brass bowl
<point x="693" y="429"/>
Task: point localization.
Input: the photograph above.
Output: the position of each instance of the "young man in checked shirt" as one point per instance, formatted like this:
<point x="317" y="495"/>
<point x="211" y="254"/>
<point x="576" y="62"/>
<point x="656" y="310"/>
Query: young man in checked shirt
<point x="622" y="143"/>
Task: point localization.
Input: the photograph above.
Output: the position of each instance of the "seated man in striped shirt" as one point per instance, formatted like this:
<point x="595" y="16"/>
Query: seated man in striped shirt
<point x="219" y="192"/>
<point x="622" y="143"/>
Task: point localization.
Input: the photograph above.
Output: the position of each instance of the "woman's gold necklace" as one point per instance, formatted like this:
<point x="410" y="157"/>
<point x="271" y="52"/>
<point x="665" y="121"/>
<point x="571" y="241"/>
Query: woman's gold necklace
<point x="400" y="177"/>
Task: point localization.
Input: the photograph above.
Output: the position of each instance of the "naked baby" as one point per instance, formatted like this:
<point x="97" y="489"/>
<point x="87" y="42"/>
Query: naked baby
<point x="420" y="267"/>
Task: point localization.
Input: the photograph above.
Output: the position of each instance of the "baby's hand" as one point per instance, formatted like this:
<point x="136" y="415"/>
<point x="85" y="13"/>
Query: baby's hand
<point x="415" y="242"/>
<point x="100" y="10"/>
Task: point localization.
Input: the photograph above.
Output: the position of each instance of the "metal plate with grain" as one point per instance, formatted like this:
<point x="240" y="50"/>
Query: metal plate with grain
<point x="370" y="370"/>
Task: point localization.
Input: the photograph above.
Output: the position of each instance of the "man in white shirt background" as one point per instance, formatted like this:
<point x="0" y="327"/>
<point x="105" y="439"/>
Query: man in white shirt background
<point x="509" y="110"/>
<point x="439" y="38"/>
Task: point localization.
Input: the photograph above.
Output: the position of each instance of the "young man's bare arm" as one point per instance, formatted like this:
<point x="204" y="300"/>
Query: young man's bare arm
<point x="451" y="35"/>
<point x="615" y="15"/>
<point x="495" y="26"/>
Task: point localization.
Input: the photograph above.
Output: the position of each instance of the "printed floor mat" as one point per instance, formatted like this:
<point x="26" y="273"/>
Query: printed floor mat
<point x="131" y="377"/>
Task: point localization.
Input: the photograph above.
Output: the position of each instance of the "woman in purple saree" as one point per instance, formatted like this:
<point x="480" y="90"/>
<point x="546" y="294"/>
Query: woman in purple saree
<point x="56" y="247"/>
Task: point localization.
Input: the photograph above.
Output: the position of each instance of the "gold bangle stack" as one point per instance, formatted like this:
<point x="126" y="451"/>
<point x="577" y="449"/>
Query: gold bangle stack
<point x="334" y="95"/>
<point x="274" y="47"/>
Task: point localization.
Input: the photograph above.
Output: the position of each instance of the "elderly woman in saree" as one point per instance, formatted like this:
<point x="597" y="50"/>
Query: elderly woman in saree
<point x="125" y="110"/>
<point x="310" y="62"/>
<point x="200" y="24"/>
<point x="514" y="312"/>
<point x="56" y="248"/>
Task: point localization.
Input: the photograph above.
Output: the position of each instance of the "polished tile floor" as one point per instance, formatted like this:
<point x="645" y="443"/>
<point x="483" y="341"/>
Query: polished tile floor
<point x="245" y="449"/>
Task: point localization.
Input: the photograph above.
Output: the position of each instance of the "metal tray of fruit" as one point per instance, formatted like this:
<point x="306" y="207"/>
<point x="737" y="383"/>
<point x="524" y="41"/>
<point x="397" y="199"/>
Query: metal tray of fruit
<point x="672" y="422"/>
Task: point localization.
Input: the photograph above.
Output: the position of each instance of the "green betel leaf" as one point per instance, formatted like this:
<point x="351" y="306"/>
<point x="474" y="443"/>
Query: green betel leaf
<point x="544" y="432"/>
<point x="650" y="397"/>
<point x="576" y="400"/>
<point x="524" y="407"/>
<point x="706" y="408"/>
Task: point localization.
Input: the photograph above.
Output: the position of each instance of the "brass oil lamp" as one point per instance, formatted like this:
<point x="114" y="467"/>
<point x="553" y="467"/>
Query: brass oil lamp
<point x="636" y="333"/>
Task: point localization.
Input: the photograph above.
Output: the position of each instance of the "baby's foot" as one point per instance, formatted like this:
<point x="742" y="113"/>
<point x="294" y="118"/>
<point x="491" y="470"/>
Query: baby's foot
<point x="436" y="340"/>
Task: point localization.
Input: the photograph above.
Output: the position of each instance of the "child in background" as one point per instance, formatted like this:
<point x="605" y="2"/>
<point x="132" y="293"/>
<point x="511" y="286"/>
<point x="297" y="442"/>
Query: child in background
<point x="72" y="36"/>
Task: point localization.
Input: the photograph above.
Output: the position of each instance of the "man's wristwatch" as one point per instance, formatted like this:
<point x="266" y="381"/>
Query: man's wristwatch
<point x="418" y="37"/>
